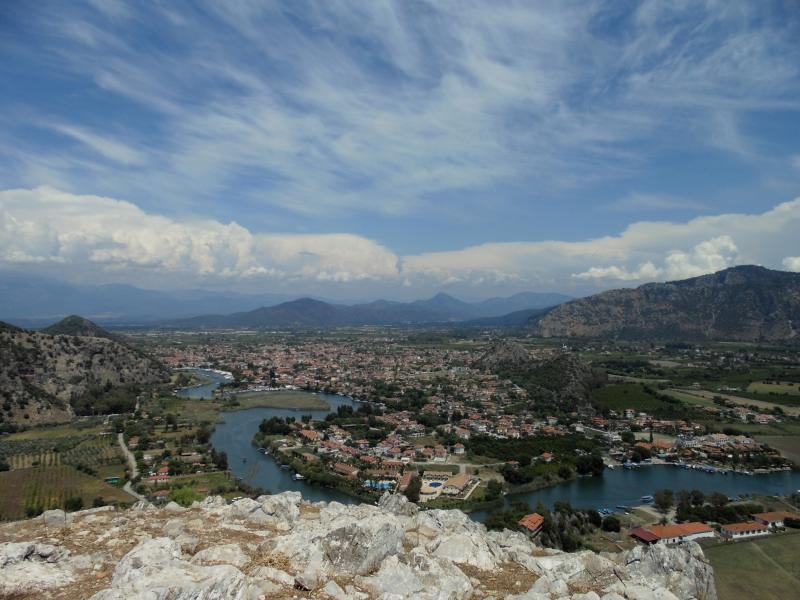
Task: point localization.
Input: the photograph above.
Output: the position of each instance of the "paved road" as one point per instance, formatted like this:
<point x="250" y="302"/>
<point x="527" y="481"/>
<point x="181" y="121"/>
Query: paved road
<point x="134" y="471"/>
<point x="461" y="466"/>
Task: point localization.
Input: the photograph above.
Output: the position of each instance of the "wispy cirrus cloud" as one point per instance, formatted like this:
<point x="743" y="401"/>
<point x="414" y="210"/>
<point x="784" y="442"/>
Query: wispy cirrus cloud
<point x="386" y="106"/>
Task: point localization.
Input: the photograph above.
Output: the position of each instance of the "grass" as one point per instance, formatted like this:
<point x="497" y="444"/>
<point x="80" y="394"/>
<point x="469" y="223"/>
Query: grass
<point x="689" y="398"/>
<point x="293" y="400"/>
<point x="766" y="568"/>
<point x="48" y="487"/>
<point x="769" y="402"/>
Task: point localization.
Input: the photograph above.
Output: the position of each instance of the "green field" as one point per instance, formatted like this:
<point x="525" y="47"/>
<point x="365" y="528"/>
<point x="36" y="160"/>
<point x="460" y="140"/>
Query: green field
<point x="766" y="569"/>
<point x="620" y="396"/>
<point x="788" y="445"/>
<point x="296" y="400"/>
<point x="57" y="432"/>
<point x="48" y="487"/>
<point x="776" y="387"/>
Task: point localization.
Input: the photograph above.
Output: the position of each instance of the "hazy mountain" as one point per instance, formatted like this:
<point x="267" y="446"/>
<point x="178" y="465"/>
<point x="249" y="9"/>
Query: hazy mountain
<point x="519" y="302"/>
<point x="744" y="303"/>
<point x="306" y="312"/>
<point x="34" y="301"/>
<point x="47" y="378"/>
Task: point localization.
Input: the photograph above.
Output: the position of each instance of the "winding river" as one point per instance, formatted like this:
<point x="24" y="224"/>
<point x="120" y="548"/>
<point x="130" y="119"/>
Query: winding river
<point x="616" y="487"/>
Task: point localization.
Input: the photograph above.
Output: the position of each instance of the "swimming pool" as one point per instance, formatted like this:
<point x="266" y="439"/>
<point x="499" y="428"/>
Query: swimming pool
<point x="435" y="484"/>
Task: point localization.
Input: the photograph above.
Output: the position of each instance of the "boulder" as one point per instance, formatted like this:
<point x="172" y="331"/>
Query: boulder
<point x="225" y="554"/>
<point x="56" y="518"/>
<point x="398" y="504"/>
<point x="284" y="507"/>
<point x="30" y="568"/>
<point x="359" y="547"/>
<point x="420" y="577"/>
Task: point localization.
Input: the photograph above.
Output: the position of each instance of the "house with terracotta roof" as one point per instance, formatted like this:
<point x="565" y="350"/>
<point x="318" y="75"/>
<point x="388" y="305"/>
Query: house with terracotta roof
<point x="532" y="524"/>
<point x="673" y="534"/>
<point x="456" y="484"/>
<point x="776" y="518"/>
<point x="738" y="531"/>
<point x="344" y="469"/>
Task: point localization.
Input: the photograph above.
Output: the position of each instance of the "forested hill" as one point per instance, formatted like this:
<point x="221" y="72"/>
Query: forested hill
<point x="49" y="378"/>
<point x="746" y="303"/>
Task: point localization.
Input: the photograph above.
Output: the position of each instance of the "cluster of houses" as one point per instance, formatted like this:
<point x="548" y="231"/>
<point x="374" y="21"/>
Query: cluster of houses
<point x="761" y="524"/>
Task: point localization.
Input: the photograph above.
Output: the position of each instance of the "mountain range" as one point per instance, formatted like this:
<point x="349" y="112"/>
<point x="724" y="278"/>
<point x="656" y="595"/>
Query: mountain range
<point x="31" y="301"/>
<point x="744" y="303"/>
<point x="308" y="312"/>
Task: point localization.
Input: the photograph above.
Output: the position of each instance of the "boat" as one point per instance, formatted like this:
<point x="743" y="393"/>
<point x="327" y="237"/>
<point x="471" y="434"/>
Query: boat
<point x="285" y="467"/>
<point x="298" y="477"/>
<point x="646" y="498"/>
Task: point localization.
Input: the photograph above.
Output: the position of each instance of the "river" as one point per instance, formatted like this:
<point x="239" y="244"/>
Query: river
<point x="206" y="390"/>
<point x="615" y="488"/>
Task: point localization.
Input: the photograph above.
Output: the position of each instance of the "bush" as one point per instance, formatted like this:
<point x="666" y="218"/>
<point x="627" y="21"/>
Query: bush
<point x="185" y="496"/>
<point x="98" y="502"/>
<point x="73" y="503"/>
<point x="792" y="523"/>
<point x="611" y="523"/>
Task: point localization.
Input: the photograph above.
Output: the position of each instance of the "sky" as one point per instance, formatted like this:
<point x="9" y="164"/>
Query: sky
<point x="363" y="149"/>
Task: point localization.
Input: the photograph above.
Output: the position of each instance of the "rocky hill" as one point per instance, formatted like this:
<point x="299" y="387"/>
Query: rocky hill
<point x="746" y="303"/>
<point x="44" y="377"/>
<point x="282" y="547"/>
<point x="552" y="378"/>
<point x="78" y="326"/>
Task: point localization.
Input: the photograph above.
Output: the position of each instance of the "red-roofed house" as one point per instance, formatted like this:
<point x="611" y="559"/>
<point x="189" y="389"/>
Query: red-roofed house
<point x="532" y="524"/>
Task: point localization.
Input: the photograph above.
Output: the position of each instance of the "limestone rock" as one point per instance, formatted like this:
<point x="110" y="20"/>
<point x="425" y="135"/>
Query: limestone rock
<point x="226" y="554"/>
<point x="397" y="504"/>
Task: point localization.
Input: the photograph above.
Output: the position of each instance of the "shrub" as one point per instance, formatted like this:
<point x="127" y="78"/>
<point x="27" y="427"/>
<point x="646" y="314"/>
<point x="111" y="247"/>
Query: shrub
<point x="73" y="503"/>
<point x="611" y="523"/>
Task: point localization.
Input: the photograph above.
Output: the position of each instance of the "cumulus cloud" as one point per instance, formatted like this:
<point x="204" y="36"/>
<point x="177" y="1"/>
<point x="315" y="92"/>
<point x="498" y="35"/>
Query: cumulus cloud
<point x="47" y="226"/>
<point x="792" y="263"/>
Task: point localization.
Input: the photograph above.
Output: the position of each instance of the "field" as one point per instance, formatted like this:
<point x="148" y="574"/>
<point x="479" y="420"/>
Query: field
<point x="742" y="401"/>
<point x="48" y="487"/>
<point x="298" y="400"/>
<point x="620" y="396"/>
<point x="789" y="446"/>
<point x="766" y="569"/>
<point x="774" y="387"/>
<point x="53" y="451"/>
<point x="59" y="432"/>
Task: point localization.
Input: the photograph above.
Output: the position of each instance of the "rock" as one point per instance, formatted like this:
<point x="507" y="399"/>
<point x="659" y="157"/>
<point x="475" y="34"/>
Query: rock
<point x="56" y="518"/>
<point x="28" y="567"/>
<point x="276" y="575"/>
<point x="173" y="528"/>
<point x="155" y="570"/>
<point x="173" y="507"/>
<point x="142" y="506"/>
<point x="283" y="507"/>
<point x="420" y="577"/>
<point x="226" y="554"/>
<point x="465" y="548"/>
<point x="359" y="547"/>
<point x="333" y="590"/>
<point x="398" y="504"/>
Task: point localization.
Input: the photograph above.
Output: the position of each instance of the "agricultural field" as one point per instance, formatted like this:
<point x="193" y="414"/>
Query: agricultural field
<point x="766" y="568"/>
<point x="620" y="396"/>
<point x="774" y="387"/>
<point x="793" y="411"/>
<point x="787" y="445"/>
<point x="48" y="452"/>
<point x="26" y="492"/>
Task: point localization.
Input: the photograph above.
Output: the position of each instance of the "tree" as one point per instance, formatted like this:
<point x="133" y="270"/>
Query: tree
<point x="4" y="466"/>
<point x="564" y="472"/>
<point x="414" y="486"/>
<point x="698" y="498"/>
<point x="611" y="523"/>
<point x="628" y="437"/>
<point x="718" y="500"/>
<point x="493" y="489"/>
<point x="663" y="500"/>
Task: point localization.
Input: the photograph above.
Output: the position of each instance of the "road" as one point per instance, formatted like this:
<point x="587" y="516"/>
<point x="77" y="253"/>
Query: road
<point x="132" y="468"/>
<point x="461" y="466"/>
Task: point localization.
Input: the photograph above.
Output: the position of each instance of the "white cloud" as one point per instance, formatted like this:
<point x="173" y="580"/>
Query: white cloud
<point x="110" y="149"/>
<point x="108" y="239"/>
<point x="650" y="202"/>
<point x="50" y="227"/>
<point x="792" y="263"/>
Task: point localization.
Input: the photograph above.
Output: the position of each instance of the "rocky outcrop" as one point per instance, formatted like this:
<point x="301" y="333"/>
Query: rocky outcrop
<point x="280" y="546"/>
<point x="746" y="303"/>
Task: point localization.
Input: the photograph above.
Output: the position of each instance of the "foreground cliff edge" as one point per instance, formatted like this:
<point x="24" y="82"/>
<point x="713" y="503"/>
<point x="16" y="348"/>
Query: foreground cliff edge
<point x="283" y="547"/>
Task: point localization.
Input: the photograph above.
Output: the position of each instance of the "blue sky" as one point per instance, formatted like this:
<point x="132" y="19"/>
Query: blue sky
<point x="374" y="148"/>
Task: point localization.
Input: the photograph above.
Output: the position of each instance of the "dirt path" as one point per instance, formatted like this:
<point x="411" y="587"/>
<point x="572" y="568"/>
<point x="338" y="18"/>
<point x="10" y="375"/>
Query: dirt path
<point x="133" y="469"/>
